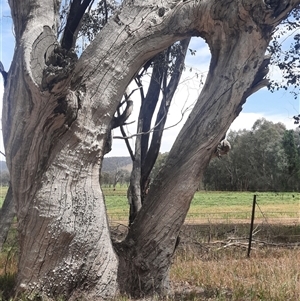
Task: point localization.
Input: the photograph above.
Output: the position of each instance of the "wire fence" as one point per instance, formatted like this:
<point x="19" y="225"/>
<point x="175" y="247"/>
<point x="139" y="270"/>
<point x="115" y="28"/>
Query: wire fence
<point x="276" y="228"/>
<point x="244" y="217"/>
<point x="287" y="217"/>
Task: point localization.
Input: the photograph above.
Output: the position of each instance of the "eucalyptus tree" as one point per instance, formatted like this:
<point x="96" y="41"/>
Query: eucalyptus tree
<point x="57" y="115"/>
<point x="292" y="162"/>
<point x="166" y="70"/>
<point x="265" y="158"/>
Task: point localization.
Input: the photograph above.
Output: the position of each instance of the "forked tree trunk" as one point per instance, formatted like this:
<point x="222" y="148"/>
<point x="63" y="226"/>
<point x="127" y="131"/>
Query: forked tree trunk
<point x="238" y="68"/>
<point x="56" y="117"/>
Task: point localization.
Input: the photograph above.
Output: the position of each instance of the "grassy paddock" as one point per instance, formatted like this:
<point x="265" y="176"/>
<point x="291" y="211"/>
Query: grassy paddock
<point x="220" y="206"/>
<point x="3" y="190"/>
<point x="214" y="206"/>
<point x="207" y="266"/>
<point x="214" y="271"/>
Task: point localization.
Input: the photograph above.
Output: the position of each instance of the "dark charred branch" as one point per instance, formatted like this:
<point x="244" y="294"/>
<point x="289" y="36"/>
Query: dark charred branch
<point x="145" y="156"/>
<point x="127" y="143"/>
<point x="105" y="10"/>
<point x="142" y="141"/>
<point x="77" y="10"/>
<point x="168" y="93"/>
<point x="147" y="65"/>
<point x="121" y="119"/>
<point x="4" y="73"/>
<point x="149" y="105"/>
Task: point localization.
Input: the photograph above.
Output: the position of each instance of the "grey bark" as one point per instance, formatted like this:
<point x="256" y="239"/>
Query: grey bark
<point x="57" y="113"/>
<point x="236" y="71"/>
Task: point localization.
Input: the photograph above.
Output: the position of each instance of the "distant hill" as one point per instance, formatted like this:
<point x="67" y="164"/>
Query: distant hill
<point x="3" y="166"/>
<point x="111" y="164"/>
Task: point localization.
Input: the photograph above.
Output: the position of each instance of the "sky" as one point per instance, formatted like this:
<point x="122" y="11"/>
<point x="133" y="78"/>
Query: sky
<point x="279" y="106"/>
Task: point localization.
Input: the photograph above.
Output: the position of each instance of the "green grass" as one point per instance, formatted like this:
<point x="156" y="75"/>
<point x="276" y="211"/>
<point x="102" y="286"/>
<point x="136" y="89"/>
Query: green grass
<point x="116" y="203"/>
<point x="213" y="206"/>
<point x="238" y="205"/>
<point x="219" y="205"/>
<point x="3" y="190"/>
<point x="209" y="271"/>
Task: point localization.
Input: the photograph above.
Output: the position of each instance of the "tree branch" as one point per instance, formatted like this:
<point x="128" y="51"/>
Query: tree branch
<point x="260" y="79"/>
<point x="106" y="10"/>
<point x="120" y="120"/>
<point x="4" y="73"/>
<point x="140" y="133"/>
<point x="150" y="101"/>
<point x="168" y="93"/>
<point x="127" y="143"/>
<point x="76" y="13"/>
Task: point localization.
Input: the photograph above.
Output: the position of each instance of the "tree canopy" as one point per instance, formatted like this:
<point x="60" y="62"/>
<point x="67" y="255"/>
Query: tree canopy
<point x="265" y="158"/>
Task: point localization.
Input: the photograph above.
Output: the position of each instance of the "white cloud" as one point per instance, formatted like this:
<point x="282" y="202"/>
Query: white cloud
<point x="246" y="120"/>
<point x="184" y="99"/>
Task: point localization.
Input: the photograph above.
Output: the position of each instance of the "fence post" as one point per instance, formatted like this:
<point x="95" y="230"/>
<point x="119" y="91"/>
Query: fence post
<point x="251" y="225"/>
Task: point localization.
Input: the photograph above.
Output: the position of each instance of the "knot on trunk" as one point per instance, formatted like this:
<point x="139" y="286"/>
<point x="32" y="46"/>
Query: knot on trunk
<point x="59" y="65"/>
<point x="222" y="149"/>
<point x="69" y="106"/>
<point x="278" y="6"/>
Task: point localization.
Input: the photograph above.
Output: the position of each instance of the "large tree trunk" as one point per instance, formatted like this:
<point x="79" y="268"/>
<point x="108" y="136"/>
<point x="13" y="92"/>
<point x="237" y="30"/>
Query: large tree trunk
<point x="238" y="67"/>
<point x="56" y="117"/>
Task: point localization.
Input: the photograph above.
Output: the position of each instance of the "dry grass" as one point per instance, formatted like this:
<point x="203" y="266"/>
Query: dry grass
<point x="270" y="274"/>
<point x="215" y="270"/>
<point x="8" y="266"/>
<point x="210" y="273"/>
<point x="220" y="270"/>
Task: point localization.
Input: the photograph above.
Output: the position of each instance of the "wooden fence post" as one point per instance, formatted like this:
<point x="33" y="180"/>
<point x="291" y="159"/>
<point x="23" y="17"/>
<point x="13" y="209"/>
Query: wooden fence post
<point x="251" y="225"/>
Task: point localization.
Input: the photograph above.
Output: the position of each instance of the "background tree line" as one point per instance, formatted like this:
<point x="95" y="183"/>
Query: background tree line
<point x="265" y="158"/>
